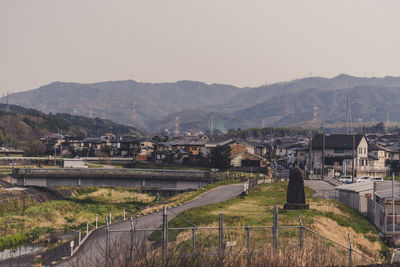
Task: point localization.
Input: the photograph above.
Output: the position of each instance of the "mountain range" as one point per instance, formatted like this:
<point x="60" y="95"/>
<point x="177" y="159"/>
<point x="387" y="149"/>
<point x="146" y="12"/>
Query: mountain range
<point x="197" y="106"/>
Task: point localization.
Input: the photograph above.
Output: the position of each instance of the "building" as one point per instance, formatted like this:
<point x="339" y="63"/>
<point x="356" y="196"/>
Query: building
<point x="341" y="152"/>
<point x="356" y="195"/>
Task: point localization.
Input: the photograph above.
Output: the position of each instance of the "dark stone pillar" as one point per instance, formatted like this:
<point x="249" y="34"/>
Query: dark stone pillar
<point x="295" y="196"/>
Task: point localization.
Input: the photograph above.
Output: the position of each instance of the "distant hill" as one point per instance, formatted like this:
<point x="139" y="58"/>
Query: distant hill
<point x="157" y="104"/>
<point x="192" y="120"/>
<point x="367" y="103"/>
<point x="258" y="95"/>
<point x="22" y="128"/>
<point x="115" y="100"/>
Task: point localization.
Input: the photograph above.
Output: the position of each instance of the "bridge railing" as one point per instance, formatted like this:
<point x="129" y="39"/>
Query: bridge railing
<point x="116" y="171"/>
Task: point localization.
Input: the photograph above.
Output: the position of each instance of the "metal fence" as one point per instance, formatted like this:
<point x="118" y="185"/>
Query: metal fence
<point x="382" y="218"/>
<point x="231" y="240"/>
<point x="328" y="194"/>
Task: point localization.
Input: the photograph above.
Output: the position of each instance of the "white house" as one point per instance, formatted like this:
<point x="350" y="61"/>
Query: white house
<point x="339" y="150"/>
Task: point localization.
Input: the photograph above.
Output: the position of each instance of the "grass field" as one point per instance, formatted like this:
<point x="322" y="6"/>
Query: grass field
<point x="38" y="219"/>
<point x="327" y="217"/>
<point x="19" y="217"/>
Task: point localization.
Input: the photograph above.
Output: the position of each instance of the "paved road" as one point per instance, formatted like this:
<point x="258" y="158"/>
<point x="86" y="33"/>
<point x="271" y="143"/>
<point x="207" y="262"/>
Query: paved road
<point x="318" y="185"/>
<point x="92" y="251"/>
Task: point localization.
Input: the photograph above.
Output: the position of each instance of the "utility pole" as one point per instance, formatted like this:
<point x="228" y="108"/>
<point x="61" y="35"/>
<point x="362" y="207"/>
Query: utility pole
<point x="352" y="162"/>
<point x="310" y="165"/>
<point x="323" y="155"/>
<point x="393" y="206"/>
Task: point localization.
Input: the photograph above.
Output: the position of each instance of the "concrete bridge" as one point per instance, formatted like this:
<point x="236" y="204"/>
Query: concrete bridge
<point x="178" y="180"/>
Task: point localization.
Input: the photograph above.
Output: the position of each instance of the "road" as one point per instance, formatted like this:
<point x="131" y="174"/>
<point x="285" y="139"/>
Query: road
<point x="318" y="185"/>
<point x="91" y="253"/>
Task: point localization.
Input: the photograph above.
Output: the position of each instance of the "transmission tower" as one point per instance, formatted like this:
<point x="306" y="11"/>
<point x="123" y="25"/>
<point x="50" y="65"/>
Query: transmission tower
<point x="134" y="111"/>
<point x="315" y="113"/>
<point x="349" y="124"/>
<point x="177" y="131"/>
<point x="91" y="111"/>
<point x="7" y="106"/>
<point x="212" y="124"/>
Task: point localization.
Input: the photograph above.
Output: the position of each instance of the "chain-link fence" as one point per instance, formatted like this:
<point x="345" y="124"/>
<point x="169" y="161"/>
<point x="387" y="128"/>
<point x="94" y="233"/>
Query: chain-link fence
<point x="221" y="240"/>
<point x="331" y="194"/>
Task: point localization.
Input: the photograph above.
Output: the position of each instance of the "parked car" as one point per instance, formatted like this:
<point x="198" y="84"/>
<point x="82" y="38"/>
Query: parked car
<point x="364" y="179"/>
<point x="279" y="167"/>
<point x="375" y="179"/>
<point x="345" y="178"/>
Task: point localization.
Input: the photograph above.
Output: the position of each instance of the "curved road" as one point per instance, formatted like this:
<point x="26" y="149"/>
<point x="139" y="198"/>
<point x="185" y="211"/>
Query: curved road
<point x="91" y="253"/>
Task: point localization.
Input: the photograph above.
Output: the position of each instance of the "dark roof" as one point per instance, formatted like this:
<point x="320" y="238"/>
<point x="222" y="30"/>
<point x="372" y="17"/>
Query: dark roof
<point x="254" y="144"/>
<point x="344" y="141"/>
<point x="372" y="147"/>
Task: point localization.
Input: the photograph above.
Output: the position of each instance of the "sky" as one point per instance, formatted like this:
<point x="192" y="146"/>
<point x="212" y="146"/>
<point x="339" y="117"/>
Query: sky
<point x="238" y="42"/>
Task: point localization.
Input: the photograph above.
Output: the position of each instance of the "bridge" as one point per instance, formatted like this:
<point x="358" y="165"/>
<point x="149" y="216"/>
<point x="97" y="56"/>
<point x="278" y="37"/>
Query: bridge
<point x="178" y="180"/>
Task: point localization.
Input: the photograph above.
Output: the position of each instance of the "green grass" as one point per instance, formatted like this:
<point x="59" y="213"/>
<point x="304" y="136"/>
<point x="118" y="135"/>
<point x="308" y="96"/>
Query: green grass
<point x="74" y="212"/>
<point x="256" y="209"/>
<point x="64" y="215"/>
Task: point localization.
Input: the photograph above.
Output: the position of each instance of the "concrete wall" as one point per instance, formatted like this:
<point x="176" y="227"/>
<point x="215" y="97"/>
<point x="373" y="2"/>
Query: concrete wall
<point x="356" y="200"/>
<point x="113" y="182"/>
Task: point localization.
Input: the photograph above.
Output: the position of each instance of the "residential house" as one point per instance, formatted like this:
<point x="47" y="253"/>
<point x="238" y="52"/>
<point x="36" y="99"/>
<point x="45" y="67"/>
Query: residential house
<point x="341" y="152"/>
<point x="377" y="161"/>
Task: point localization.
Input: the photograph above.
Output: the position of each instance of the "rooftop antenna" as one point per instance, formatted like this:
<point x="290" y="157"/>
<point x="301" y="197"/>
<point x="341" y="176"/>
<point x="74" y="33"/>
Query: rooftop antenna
<point x="349" y="125"/>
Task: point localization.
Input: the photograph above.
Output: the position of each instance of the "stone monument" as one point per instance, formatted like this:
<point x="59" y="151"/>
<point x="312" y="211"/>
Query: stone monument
<point x="295" y="196"/>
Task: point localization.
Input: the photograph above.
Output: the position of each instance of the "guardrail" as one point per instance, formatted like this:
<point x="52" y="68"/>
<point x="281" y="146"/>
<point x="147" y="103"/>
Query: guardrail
<point x="101" y="172"/>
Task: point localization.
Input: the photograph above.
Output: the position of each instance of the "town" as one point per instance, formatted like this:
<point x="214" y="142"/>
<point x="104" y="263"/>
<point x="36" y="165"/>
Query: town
<point x="199" y="133"/>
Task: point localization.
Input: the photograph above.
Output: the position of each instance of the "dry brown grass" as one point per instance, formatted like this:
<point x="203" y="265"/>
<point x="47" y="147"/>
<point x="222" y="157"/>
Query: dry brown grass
<point x="330" y="229"/>
<point x="149" y="254"/>
<point x="116" y="196"/>
<point x="326" y="206"/>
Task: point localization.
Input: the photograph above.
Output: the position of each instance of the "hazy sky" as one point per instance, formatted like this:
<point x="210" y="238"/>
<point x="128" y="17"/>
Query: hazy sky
<point x="244" y="43"/>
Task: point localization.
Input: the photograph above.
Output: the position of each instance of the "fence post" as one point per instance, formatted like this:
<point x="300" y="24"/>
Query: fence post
<point x="193" y="239"/>
<point x="220" y="234"/>
<point x="248" y="245"/>
<point x="131" y="247"/>
<point x="124" y="215"/>
<point x="275" y="229"/>
<point x="87" y="229"/>
<point x="80" y="237"/>
<point x="97" y="218"/>
<point x="385" y="221"/>
<point x="165" y="236"/>
<point x="300" y="232"/>
<point x="110" y="218"/>
<point x="350" y="252"/>
<point x="71" y="244"/>
<point x="107" y="241"/>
